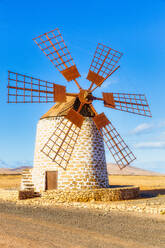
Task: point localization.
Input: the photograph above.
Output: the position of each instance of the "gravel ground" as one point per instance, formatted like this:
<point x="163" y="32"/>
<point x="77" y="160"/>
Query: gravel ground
<point x="144" y="204"/>
<point x="60" y="227"/>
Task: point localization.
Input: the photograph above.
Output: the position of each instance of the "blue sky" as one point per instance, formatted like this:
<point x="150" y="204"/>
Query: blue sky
<point x="136" y="28"/>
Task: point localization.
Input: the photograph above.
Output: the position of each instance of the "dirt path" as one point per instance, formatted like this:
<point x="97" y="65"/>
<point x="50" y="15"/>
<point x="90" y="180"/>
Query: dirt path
<point x="25" y="227"/>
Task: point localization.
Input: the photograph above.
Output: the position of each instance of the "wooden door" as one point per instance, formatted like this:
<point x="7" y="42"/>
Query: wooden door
<point x="51" y="179"/>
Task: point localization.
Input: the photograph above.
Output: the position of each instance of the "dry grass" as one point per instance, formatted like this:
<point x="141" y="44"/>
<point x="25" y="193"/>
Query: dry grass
<point x="10" y="181"/>
<point x="144" y="182"/>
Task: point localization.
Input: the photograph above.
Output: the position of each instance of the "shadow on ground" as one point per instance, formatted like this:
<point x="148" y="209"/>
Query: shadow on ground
<point x="120" y="186"/>
<point x="151" y="193"/>
<point x="147" y="193"/>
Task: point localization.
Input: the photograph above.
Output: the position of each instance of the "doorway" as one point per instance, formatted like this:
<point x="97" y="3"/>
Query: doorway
<point x="51" y="180"/>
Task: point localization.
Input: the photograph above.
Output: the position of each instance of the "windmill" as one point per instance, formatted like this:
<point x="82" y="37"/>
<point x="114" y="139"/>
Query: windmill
<point x="72" y="110"/>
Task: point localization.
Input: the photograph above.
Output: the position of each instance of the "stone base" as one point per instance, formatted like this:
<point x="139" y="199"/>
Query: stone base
<point x="26" y="194"/>
<point x="103" y="194"/>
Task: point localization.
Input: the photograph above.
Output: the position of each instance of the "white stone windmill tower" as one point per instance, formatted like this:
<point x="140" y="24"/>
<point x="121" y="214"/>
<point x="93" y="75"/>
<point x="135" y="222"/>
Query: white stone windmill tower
<point x="69" y="151"/>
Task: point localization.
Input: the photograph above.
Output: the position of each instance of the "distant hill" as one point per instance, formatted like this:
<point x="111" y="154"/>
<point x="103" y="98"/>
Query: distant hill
<point x="13" y="171"/>
<point x="113" y="169"/>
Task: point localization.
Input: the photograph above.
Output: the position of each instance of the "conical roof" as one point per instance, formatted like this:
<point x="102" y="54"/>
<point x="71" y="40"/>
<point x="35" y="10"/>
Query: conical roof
<point x="60" y="109"/>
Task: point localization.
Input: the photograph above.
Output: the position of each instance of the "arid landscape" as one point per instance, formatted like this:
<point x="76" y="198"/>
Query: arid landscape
<point x="146" y="180"/>
<point x="10" y="181"/>
<point x="82" y="131"/>
<point x="85" y="225"/>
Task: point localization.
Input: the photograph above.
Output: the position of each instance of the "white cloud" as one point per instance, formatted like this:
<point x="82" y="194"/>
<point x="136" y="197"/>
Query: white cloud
<point x="151" y="145"/>
<point x="146" y="127"/>
<point x="142" y="128"/>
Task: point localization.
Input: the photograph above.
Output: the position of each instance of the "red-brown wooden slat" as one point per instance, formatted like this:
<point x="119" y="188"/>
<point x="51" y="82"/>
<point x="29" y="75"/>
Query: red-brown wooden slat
<point x="59" y="93"/>
<point x="75" y="118"/>
<point x="101" y="121"/>
<point x="25" y="89"/>
<point x="60" y="145"/>
<point x="116" y="145"/>
<point x="103" y="63"/>
<point x="132" y="103"/>
<point x="54" y="47"/>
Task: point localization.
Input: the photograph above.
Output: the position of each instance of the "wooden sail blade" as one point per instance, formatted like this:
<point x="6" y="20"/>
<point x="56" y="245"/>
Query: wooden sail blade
<point x="116" y="145"/>
<point x="54" y="47"/>
<point x="59" y="93"/>
<point x="60" y="145"/>
<point x="108" y="100"/>
<point x="103" y="63"/>
<point x="75" y="118"/>
<point x="101" y="121"/>
<point x="132" y="103"/>
<point x="25" y="89"/>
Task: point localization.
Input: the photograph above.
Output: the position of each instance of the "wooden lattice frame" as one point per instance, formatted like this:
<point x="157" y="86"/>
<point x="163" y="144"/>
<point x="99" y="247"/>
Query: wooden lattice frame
<point x="26" y="89"/>
<point x="60" y="145"/>
<point x="54" y="47"/>
<point x="133" y="103"/>
<point x="103" y="63"/>
<point x="116" y="145"/>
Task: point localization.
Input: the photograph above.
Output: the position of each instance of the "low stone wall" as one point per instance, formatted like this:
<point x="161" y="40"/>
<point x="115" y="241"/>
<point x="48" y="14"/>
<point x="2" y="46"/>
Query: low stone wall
<point x="104" y="194"/>
<point x="153" y="205"/>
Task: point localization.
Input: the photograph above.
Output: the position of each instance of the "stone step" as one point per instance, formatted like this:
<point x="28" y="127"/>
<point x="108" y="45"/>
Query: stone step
<point x="26" y="178"/>
<point x="28" y="188"/>
<point x="26" y="175"/>
<point x="29" y="184"/>
<point x="27" y="181"/>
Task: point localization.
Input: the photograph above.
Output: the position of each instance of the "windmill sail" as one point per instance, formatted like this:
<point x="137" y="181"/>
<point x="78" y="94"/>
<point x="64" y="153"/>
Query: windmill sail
<point x="103" y="63"/>
<point x="116" y="145"/>
<point x="133" y="103"/>
<point x="25" y="89"/>
<point x="54" y="47"/>
<point x="60" y="145"/>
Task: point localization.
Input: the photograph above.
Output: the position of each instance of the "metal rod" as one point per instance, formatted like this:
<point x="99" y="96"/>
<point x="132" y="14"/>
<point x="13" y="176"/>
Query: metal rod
<point x="91" y="86"/>
<point x="138" y="104"/>
<point x="41" y="91"/>
<point x="93" y="109"/>
<point x="77" y="84"/>
<point x="20" y="88"/>
<point x="105" y="78"/>
<point x="72" y="94"/>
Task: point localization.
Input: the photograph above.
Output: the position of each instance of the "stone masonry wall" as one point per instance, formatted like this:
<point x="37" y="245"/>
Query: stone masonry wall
<point x="87" y="165"/>
<point x="105" y="195"/>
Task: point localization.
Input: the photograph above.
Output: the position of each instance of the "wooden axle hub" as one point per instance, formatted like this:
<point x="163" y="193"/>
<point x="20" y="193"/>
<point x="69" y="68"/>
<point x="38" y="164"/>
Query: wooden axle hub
<point x="85" y="96"/>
